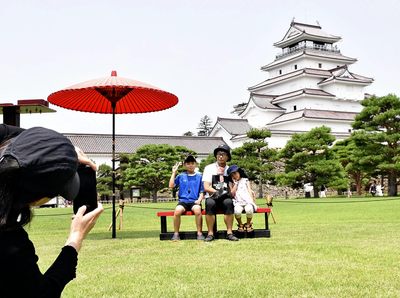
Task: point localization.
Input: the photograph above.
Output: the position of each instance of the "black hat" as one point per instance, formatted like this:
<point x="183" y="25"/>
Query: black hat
<point x="48" y="163"/>
<point x="190" y="158"/>
<point x="223" y="147"/>
<point x="235" y="168"/>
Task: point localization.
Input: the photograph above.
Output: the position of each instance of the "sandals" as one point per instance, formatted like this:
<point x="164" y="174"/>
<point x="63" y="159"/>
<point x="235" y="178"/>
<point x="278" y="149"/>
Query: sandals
<point x="209" y="238"/>
<point x="175" y="238"/>
<point x="240" y="228"/>
<point x="248" y="228"/>
<point x="231" y="237"/>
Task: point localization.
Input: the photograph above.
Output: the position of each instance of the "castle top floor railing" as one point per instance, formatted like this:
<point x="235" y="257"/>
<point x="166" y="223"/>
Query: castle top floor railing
<point x="314" y="47"/>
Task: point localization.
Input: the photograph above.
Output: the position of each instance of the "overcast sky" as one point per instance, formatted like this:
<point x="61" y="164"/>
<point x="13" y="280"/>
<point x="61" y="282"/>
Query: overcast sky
<point x="205" y="52"/>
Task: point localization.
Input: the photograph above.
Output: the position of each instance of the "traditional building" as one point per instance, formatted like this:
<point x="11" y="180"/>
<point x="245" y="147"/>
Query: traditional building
<point x="309" y="85"/>
<point x="98" y="147"/>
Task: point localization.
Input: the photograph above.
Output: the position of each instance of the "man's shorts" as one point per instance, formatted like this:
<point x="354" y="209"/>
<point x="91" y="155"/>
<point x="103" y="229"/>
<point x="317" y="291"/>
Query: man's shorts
<point x="188" y="206"/>
<point x="212" y="206"/>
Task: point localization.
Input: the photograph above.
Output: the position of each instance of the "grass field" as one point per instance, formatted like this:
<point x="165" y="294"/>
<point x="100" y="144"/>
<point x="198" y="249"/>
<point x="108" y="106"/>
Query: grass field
<point x="330" y="247"/>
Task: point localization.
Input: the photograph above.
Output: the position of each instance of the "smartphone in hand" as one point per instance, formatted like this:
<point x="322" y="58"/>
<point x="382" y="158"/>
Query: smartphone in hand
<point x="87" y="194"/>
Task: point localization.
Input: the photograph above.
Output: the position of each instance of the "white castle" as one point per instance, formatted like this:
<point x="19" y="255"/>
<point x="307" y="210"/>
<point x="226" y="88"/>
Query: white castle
<point x="309" y="85"/>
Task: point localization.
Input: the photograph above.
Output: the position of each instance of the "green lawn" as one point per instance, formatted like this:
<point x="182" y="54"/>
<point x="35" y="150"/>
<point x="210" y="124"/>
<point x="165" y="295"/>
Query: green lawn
<point x="331" y="247"/>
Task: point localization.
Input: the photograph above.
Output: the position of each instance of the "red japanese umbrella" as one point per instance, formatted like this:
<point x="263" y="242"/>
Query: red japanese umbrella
<point x="114" y="95"/>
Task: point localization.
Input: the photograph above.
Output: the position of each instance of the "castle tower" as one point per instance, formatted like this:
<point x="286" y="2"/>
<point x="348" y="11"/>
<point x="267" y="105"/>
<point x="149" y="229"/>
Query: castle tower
<point x="309" y="85"/>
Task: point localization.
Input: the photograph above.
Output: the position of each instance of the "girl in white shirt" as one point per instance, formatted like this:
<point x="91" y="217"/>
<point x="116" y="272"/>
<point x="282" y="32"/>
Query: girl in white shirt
<point x="242" y="197"/>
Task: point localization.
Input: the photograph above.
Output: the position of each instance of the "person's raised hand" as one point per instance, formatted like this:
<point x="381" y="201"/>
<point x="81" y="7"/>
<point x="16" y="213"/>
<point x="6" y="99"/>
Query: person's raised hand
<point x="84" y="160"/>
<point x="175" y="167"/>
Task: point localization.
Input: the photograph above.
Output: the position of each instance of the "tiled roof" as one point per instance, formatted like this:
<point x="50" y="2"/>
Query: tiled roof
<point x="102" y="143"/>
<point x="291" y="132"/>
<point x="314" y="114"/>
<point x="343" y="74"/>
<point x="234" y="126"/>
<point x="309" y="91"/>
<point x="313" y="30"/>
<point x="314" y="53"/>
<point x="326" y="75"/>
<point x="330" y="55"/>
<point x="263" y="101"/>
<point x="305" y="31"/>
<point x="310" y="71"/>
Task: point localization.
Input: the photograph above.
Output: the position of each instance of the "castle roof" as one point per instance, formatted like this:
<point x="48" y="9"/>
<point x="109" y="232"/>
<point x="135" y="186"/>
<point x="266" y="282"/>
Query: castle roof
<point x="298" y="32"/>
<point x="305" y="91"/>
<point x="314" y="114"/>
<point x="340" y="73"/>
<point x="264" y="101"/>
<point x="305" y="52"/>
<point x="233" y="126"/>
<point x="310" y="71"/>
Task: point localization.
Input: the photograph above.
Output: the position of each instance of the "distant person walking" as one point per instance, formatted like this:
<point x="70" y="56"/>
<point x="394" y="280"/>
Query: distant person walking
<point x="379" y="188"/>
<point x="372" y="188"/>
<point x="323" y="191"/>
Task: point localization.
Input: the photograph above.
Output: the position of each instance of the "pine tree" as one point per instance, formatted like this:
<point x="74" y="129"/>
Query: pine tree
<point x="207" y="161"/>
<point x="150" y="167"/>
<point x="308" y="158"/>
<point x="255" y="157"/>
<point x="354" y="163"/>
<point x="205" y="126"/>
<point x="104" y="181"/>
<point x="379" y="135"/>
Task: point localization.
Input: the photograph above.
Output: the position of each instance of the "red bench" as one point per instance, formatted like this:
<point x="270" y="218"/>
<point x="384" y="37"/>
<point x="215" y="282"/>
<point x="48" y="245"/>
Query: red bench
<point x="165" y="235"/>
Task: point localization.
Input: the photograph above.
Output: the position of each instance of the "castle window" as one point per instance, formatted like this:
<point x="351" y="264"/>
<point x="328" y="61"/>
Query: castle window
<point x="295" y="66"/>
<point x="294" y="108"/>
<point x="280" y="71"/>
<point x="319" y="65"/>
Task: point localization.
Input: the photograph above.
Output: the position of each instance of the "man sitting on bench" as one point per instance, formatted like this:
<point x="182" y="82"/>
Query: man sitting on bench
<point x="218" y="196"/>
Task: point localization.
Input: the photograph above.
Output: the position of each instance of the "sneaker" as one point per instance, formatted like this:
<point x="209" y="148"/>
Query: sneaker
<point x="232" y="237"/>
<point x="200" y="237"/>
<point x="209" y="238"/>
<point x="176" y="238"/>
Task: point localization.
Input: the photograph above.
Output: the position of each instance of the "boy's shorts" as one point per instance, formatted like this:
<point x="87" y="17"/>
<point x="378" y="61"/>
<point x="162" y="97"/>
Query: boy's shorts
<point x="188" y="206"/>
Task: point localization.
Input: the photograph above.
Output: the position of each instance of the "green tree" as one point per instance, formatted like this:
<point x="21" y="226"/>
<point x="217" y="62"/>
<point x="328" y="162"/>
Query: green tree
<point x="255" y="157"/>
<point x="121" y="172"/>
<point x="188" y="134"/>
<point x="205" y="126"/>
<point x="239" y="108"/>
<point x="104" y="181"/>
<point x="183" y="152"/>
<point x="150" y="167"/>
<point x="354" y="163"/>
<point x="379" y="135"/>
<point x="205" y="162"/>
<point x="309" y="159"/>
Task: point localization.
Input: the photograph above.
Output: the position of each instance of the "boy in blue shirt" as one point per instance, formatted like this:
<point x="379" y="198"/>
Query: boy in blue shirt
<point x="191" y="193"/>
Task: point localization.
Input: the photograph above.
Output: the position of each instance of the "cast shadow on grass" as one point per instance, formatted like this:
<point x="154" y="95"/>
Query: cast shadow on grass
<point x="129" y="234"/>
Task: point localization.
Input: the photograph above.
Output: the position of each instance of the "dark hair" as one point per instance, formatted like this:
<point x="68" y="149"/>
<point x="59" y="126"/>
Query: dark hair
<point x="14" y="211"/>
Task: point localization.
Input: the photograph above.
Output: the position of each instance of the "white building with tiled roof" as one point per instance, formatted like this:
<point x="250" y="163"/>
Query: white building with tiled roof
<point x="309" y="85"/>
<point x="98" y="147"/>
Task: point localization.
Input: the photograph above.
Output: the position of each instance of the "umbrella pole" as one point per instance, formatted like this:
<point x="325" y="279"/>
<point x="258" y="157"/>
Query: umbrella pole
<point x="113" y="104"/>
